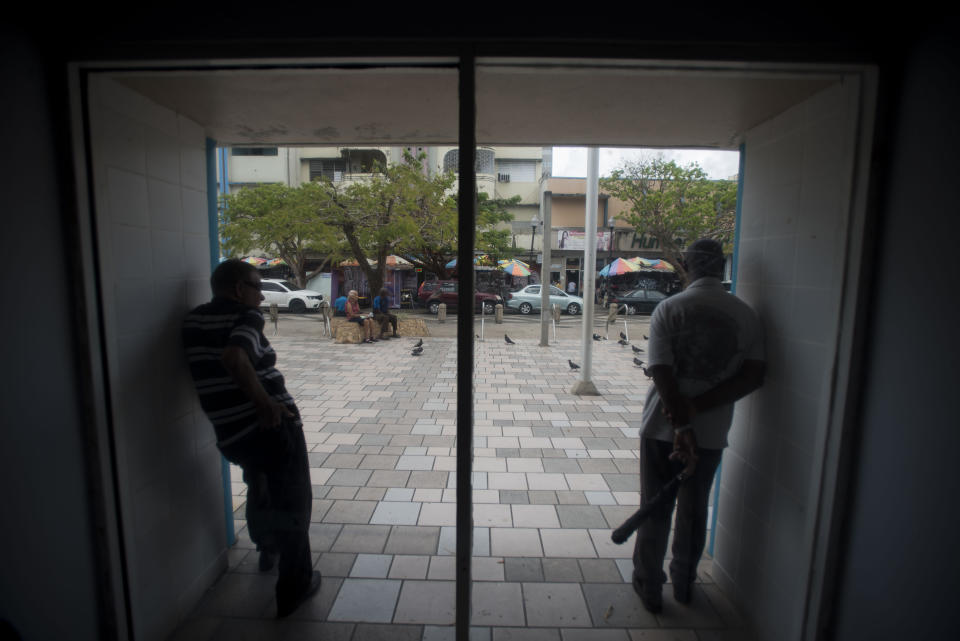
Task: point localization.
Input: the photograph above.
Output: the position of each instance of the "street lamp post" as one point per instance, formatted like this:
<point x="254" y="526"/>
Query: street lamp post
<point x="534" y="223"/>
<point x="610" y="224"/>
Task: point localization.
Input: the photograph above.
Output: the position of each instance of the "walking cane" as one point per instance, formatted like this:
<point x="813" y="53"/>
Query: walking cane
<point x="668" y="493"/>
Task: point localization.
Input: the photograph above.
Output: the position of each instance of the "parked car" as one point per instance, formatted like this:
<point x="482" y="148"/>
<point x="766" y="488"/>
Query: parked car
<point x="638" y="301"/>
<point x="288" y="296"/>
<point x="426" y="290"/>
<point x="446" y="292"/>
<point x="527" y="300"/>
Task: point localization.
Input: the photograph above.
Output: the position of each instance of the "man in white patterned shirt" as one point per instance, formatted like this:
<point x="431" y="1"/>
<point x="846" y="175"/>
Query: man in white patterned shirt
<point x="705" y="352"/>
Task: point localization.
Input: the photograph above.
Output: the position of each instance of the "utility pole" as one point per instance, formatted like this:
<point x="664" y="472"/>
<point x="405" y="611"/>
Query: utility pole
<point x="585" y="386"/>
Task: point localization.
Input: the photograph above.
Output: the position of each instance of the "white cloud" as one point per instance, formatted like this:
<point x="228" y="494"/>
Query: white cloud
<point x="571" y="162"/>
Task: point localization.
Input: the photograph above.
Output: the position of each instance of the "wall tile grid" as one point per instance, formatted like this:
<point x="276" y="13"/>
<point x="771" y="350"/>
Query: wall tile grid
<point x="796" y="185"/>
<point x="149" y="172"/>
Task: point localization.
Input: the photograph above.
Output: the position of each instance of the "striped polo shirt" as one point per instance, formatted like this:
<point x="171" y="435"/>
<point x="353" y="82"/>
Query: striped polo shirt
<point x="207" y="330"/>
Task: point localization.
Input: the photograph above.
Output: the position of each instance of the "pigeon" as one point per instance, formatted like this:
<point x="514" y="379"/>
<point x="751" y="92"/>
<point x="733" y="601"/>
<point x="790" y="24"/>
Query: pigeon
<point x="416" y="351"/>
<point x="636" y="350"/>
<point x="598" y="337"/>
<point x="573" y="365"/>
<point x="645" y="337"/>
<point x="638" y="362"/>
<point x="623" y="336"/>
<point x="623" y="342"/>
<point x="419" y="343"/>
<point x="507" y="340"/>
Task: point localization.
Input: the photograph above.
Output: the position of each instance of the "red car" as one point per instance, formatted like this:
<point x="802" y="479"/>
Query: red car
<point x="426" y="290"/>
<point x="445" y="291"/>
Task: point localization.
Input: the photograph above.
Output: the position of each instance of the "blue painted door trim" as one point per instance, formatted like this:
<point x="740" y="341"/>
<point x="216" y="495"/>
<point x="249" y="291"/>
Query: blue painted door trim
<point x="213" y="224"/>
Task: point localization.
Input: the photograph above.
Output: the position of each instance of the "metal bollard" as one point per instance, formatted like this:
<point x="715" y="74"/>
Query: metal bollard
<point x="274" y="317"/>
<point x="555" y="312"/>
<point x="442" y="313"/>
<point x="498" y="313"/>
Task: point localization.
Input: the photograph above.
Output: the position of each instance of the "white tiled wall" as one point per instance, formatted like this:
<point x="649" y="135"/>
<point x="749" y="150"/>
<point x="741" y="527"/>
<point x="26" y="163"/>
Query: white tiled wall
<point x="151" y="217"/>
<point x="797" y="178"/>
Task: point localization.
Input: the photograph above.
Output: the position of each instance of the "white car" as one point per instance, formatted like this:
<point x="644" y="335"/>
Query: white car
<point x="288" y="296"/>
<point x="527" y="300"/>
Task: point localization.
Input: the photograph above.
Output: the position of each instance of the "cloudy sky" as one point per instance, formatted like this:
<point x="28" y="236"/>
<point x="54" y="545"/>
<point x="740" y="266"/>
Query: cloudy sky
<point x="571" y="162"/>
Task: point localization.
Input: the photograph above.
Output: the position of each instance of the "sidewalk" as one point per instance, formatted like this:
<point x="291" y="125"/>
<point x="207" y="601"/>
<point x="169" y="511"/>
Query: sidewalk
<point x="553" y="473"/>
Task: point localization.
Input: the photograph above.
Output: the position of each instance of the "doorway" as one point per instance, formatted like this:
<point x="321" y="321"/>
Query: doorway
<point x="801" y="182"/>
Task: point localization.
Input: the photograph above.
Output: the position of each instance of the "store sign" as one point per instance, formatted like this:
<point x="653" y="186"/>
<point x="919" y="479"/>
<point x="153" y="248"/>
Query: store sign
<point x="577" y="240"/>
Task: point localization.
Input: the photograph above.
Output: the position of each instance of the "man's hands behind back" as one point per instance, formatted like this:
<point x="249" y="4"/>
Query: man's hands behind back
<point x="272" y="414"/>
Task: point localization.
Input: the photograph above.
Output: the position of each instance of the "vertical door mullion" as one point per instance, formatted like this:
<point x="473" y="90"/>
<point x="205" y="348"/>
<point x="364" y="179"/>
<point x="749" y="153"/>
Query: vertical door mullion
<point x="466" y="216"/>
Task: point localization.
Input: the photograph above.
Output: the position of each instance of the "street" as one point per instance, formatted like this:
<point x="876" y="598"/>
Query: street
<point x="514" y="325"/>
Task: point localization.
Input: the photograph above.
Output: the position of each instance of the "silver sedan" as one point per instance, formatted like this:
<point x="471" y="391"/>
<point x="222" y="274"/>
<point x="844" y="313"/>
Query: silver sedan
<point x="527" y="300"/>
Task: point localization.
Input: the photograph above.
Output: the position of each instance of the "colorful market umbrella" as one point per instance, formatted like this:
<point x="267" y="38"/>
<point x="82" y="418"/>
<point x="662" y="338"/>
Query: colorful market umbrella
<point x="619" y="266"/>
<point x="514" y="268"/>
<point x="482" y="259"/>
<point x="254" y="260"/>
<point x="273" y="262"/>
<point x="504" y="261"/>
<point x="655" y="264"/>
<point x="663" y="266"/>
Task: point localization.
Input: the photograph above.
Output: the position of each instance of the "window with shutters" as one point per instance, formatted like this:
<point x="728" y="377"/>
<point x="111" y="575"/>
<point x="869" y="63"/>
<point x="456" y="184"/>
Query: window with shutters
<point x="514" y="171"/>
<point x="330" y="168"/>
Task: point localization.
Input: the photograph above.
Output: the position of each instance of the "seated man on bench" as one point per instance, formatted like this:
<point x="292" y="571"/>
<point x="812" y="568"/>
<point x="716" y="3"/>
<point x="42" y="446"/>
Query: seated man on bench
<point x="382" y="315"/>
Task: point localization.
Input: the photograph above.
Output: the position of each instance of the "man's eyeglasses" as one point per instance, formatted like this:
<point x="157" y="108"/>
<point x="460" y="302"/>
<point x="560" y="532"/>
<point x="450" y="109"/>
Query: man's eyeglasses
<point x="257" y="286"/>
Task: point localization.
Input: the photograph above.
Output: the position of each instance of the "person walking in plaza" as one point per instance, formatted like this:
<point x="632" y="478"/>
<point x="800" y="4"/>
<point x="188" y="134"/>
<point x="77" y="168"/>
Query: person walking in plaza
<point x="365" y="322"/>
<point x="705" y="352"/>
<point x="382" y="315"/>
<point x="257" y="425"/>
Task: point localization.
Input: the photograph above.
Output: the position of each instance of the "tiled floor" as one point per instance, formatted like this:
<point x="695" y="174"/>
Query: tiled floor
<point x="553" y="473"/>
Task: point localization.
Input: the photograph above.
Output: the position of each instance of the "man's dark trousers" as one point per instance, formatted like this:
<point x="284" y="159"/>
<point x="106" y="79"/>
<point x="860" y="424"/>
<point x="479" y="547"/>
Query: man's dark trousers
<point x="693" y="498"/>
<point x="280" y="499"/>
<point x="385" y="319"/>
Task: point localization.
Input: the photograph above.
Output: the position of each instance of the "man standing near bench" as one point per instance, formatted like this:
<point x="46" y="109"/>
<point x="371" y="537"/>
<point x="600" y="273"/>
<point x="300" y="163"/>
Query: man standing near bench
<point x="257" y="424"/>
<point x="382" y="315"/>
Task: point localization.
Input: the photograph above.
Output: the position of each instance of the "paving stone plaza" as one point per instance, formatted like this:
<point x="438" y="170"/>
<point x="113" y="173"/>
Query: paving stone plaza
<point x="553" y="474"/>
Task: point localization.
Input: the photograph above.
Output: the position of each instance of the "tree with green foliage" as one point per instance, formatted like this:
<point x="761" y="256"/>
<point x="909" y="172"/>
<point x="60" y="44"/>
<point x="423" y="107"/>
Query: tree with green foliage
<point x="283" y="221"/>
<point x="491" y="238"/>
<point x="674" y="204"/>
<point x="398" y="210"/>
<point x="392" y="213"/>
<point x="438" y="240"/>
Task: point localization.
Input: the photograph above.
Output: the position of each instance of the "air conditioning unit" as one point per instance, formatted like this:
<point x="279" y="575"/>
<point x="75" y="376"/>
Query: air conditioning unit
<point x="503" y="178"/>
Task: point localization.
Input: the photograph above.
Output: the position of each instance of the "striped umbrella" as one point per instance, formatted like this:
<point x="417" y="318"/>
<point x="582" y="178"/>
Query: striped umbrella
<point x="504" y="261"/>
<point x="514" y="268"/>
<point x="273" y="262"/>
<point x="254" y="260"/>
<point x="619" y="266"/>
<point x="663" y="266"/>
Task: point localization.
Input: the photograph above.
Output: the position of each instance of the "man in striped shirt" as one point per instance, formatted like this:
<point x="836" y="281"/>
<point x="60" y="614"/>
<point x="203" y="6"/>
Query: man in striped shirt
<point x="257" y="424"/>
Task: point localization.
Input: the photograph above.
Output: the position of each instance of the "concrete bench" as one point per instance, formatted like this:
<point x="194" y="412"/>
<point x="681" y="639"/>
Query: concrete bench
<point x="344" y="331"/>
